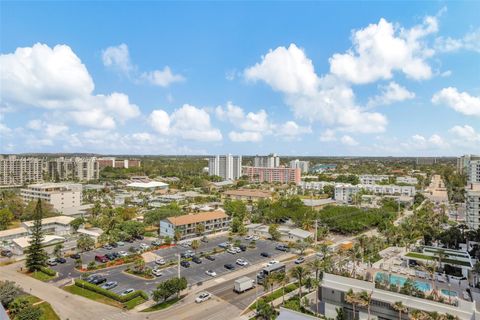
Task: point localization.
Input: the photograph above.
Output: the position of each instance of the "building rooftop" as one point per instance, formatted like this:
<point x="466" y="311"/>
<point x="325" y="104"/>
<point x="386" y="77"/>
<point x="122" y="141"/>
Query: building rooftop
<point x="147" y="185"/>
<point x="249" y="193"/>
<point x="23" y="242"/>
<point x="64" y="220"/>
<point x="196" y="218"/>
<point x="12" y="232"/>
<point x="317" y="202"/>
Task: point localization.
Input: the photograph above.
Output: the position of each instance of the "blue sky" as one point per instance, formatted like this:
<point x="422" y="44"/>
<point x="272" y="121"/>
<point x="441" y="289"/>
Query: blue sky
<point x="313" y="78"/>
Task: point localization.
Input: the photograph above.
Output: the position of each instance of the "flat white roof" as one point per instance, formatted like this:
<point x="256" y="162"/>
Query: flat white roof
<point x="12" y="232"/>
<point x="147" y="185"/>
<point x="23" y="242"/>
<point x="64" y="220"/>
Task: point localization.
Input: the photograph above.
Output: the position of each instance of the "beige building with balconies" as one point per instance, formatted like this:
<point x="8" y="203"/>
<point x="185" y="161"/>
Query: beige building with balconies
<point x="59" y="195"/>
<point x="213" y="221"/>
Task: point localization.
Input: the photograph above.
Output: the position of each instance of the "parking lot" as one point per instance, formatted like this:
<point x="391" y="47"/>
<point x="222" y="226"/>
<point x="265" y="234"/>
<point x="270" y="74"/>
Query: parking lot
<point x="194" y="274"/>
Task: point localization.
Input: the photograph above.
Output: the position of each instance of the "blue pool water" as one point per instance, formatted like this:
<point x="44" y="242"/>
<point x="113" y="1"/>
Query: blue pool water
<point x="400" y="281"/>
<point x="449" y="293"/>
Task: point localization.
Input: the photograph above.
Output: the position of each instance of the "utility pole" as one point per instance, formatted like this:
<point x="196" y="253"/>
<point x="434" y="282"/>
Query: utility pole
<point x="178" y="266"/>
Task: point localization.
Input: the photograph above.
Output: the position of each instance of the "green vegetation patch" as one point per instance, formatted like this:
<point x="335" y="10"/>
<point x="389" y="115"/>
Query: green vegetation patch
<point x="92" y="295"/>
<point x="163" y="305"/>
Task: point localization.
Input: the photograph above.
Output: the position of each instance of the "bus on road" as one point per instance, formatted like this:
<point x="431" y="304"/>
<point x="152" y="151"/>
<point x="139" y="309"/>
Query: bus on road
<point x="265" y="272"/>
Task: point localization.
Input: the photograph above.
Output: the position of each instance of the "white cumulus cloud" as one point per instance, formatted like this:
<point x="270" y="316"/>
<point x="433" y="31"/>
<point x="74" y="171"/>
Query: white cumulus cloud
<point x="162" y="78"/>
<point x="466" y="133"/>
<point x="393" y="92"/>
<point x="118" y="57"/>
<point x="461" y="102"/>
<point x="245" y="136"/>
<point x="348" y="141"/>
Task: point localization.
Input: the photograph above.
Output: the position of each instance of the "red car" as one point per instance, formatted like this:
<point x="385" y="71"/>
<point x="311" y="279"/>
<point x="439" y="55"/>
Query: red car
<point x="101" y="259"/>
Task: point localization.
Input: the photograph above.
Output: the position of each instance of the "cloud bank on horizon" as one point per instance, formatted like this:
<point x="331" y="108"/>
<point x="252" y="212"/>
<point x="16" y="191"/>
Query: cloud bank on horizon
<point x="365" y="100"/>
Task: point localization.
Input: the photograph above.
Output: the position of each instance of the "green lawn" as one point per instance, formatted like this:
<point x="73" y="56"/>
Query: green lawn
<point x="134" y="302"/>
<point x="276" y="294"/>
<point x="163" y="305"/>
<point x="431" y="258"/>
<point x="47" y="311"/>
<point x="92" y="295"/>
<point x="39" y="275"/>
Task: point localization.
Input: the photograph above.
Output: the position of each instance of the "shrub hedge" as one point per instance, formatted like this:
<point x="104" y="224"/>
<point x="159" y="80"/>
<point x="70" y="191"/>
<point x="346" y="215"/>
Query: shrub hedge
<point x="110" y="294"/>
<point x="48" y="271"/>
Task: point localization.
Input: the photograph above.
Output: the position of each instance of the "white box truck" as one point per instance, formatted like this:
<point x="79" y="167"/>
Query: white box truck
<point x="243" y="284"/>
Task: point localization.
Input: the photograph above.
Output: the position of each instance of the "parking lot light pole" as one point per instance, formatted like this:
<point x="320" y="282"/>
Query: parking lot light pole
<point x="178" y="265"/>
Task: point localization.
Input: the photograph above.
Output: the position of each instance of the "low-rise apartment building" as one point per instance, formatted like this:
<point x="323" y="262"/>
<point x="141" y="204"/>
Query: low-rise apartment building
<point x="213" y="221"/>
<point x="17" y="171"/>
<point x="372" y="178"/>
<point x="315" y="185"/>
<point x="407" y="180"/>
<point x="247" y="194"/>
<point x="118" y="163"/>
<point x="344" y="192"/>
<point x="272" y="175"/>
<point x="333" y="292"/>
<point x="59" y="225"/>
<point x="59" y="195"/>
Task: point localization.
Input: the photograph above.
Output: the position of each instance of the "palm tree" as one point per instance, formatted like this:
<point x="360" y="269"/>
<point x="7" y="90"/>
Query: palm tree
<point x="269" y="283"/>
<point x="431" y="269"/>
<point x="365" y="301"/>
<point x="352" y="298"/>
<point x="317" y="266"/>
<point x="299" y="273"/>
<point x="400" y="308"/>
<point x="283" y="280"/>
<point x="195" y="245"/>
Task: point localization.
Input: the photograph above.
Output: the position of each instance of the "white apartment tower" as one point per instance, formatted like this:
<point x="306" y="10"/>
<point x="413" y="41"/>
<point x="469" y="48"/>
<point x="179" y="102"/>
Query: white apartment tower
<point x="473" y="171"/>
<point x="18" y="171"/>
<point x="472" y="205"/>
<point x="59" y="195"/>
<point x="76" y="169"/>
<point x="270" y="161"/>
<point x="302" y="165"/>
<point x="463" y="161"/>
<point x="228" y="167"/>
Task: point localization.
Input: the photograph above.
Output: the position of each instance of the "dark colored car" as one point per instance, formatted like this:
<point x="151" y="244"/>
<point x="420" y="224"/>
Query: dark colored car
<point x="6" y="253"/>
<point x="282" y="247"/>
<point x="75" y="256"/>
<point x="114" y="244"/>
<point x="110" y="256"/>
<point x="61" y="260"/>
<point x="139" y="237"/>
<point x="130" y="240"/>
<point x="204" y="239"/>
<point x="197" y="260"/>
<point x="243" y="247"/>
<point x="109" y="285"/>
<point x="229" y="266"/>
<point x="265" y="254"/>
<point x="185" y="264"/>
<point x="156" y="242"/>
<point x="101" y="259"/>
<point x="98" y="280"/>
<point x="211" y="258"/>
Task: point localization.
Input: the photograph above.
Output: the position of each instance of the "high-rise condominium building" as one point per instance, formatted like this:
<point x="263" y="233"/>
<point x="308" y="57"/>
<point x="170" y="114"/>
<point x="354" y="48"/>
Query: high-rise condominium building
<point x="228" y="167"/>
<point x="59" y="195"/>
<point x="302" y="165"/>
<point x="472" y="205"/>
<point x="118" y="163"/>
<point x="270" y="161"/>
<point x="473" y="171"/>
<point x="426" y="160"/>
<point x="18" y="171"/>
<point x="76" y="169"/>
<point x="463" y="161"/>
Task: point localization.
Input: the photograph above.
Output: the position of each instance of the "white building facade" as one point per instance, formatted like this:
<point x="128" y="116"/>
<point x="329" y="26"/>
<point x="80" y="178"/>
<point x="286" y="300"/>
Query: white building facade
<point x="372" y="178"/>
<point x="344" y="192"/>
<point x="18" y="171"/>
<point x="228" y="167"/>
<point x="59" y="195"/>
<point x="302" y="165"/>
<point x="270" y="161"/>
<point x="76" y="168"/>
<point x="472" y="206"/>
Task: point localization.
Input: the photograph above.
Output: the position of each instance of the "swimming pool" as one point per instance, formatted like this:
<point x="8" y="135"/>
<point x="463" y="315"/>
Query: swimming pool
<point x="400" y="281"/>
<point x="449" y="293"/>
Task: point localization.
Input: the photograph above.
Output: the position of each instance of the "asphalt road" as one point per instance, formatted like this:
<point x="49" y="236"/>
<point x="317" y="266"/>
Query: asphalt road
<point x="195" y="274"/>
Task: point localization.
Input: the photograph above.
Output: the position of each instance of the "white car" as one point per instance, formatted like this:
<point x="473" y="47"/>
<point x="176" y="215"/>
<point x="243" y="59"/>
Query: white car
<point x="52" y="262"/>
<point x="249" y="237"/>
<point x="232" y="251"/>
<point x="122" y="253"/>
<point x="211" y="273"/>
<point x="272" y="262"/>
<point x="144" y="246"/>
<point x="128" y="291"/>
<point x="255" y="238"/>
<point x="203" y="297"/>
<point x="157" y="272"/>
<point x="241" y="262"/>
<point x="237" y="249"/>
<point x="160" y="261"/>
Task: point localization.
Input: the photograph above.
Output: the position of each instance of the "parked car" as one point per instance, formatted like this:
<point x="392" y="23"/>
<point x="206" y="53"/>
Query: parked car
<point x="237" y="249"/>
<point x="110" y="256"/>
<point x="130" y="240"/>
<point x="109" y="285"/>
<point x="204" y="296"/>
<point x="300" y="260"/>
<point x="272" y="262"/>
<point x="91" y="277"/>
<point x="241" y="262"/>
<point x="185" y="264"/>
<point x="160" y="261"/>
<point x="320" y="255"/>
<point x="243" y="247"/>
<point x="98" y="280"/>
<point x="232" y="251"/>
<point x="282" y="247"/>
<point x="255" y="238"/>
<point x="250" y="237"/>
<point x="122" y="253"/>
<point x="113" y="244"/>
<point x="126" y="292"/>
<point x="107" y="247"/>
<point x="197" y="260"/>
<point x="157" y="272"/>
<point x="204" y="239"/>
<point x="211" y="258"/>
<point x="52" y="262"/>
<point x="101" y="259"/>
<point x="6" y="253"/>
<point x="265" y="254"/>
<point x="224" y="244"/>
<point x="156" y="242"/>
<point x="229" y="266"/>
<point x="75" y="256"/>
<point x="139" y="237"/>
<point x="211" y="273"/>
<point x="61" y="260"/>
<point x="144" y="246"/>
<point x="120" y="243"/>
